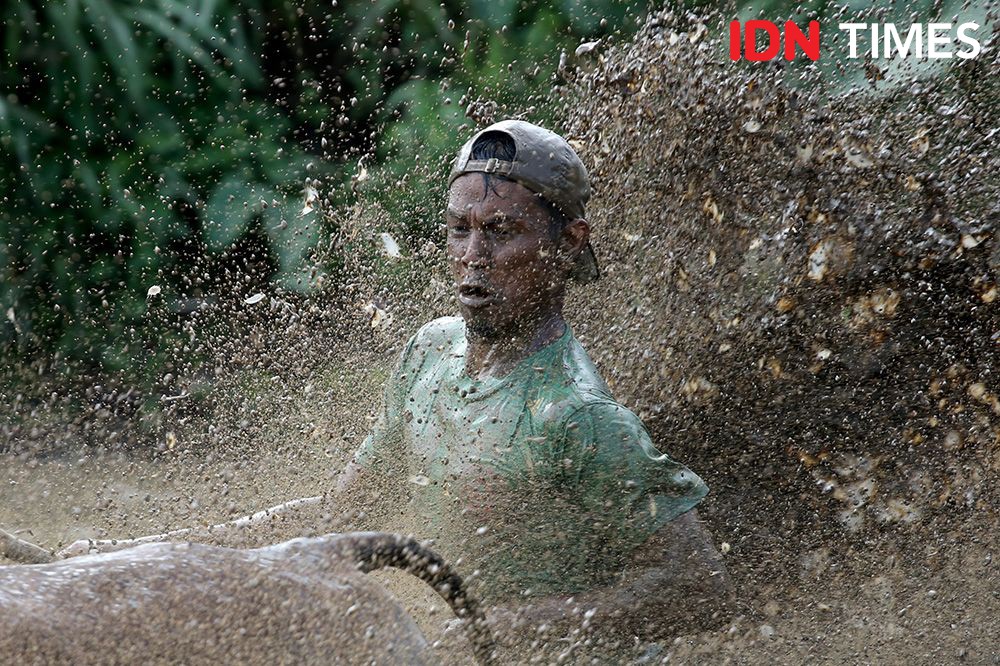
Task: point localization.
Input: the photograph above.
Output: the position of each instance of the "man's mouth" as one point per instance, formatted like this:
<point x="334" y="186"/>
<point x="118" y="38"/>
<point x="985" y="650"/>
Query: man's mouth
<point x="475" y="295"/>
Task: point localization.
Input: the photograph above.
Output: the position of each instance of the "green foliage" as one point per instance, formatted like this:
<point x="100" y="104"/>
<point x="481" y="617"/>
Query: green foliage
<point x="144" y="142"/>
<point x="136" y="137"/>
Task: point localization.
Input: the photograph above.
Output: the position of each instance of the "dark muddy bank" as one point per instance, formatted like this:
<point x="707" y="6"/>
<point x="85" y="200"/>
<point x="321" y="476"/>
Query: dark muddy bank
<point x="800" y="298"/>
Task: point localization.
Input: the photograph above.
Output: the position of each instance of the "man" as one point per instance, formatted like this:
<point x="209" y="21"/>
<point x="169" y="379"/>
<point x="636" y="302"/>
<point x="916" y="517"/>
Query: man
<point x="499" y="439"/>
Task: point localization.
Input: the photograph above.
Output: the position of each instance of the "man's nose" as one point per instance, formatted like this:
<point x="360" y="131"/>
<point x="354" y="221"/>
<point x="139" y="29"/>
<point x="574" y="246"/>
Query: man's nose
<point x="477" y="251"/>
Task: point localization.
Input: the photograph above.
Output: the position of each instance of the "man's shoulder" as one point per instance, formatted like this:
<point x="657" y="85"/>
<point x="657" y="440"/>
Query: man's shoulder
<point x="566" y="384"/>
<point x="443" y="330"/>
<point x="436" y="337"/>
<point x="583" y="374"/>
<point x="434" y="340"/>
<point x="584" y="403"/>
<point x="596" y="410"/>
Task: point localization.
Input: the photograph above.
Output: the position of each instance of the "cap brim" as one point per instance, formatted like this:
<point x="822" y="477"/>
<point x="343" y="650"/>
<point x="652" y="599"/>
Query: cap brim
<point x="586" y="269"/>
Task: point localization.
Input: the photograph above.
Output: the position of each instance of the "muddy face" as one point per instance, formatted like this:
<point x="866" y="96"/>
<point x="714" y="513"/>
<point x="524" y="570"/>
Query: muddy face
<point x="505" y="254"/>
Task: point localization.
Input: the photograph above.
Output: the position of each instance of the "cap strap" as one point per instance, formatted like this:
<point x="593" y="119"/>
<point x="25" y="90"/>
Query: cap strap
<point x="492" y="165"/>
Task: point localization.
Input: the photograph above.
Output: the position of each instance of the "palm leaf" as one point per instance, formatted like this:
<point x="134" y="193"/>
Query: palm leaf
<point x="122" y="52"/>
<point x="201" y="25"/>
<point x="64" y="20"/>
<point x="293" y="235"/>
<point x="177" y="38"/>
<point x="229" y="210"/>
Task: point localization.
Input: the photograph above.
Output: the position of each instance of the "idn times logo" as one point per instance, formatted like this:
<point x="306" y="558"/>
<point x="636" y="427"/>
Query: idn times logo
<point x="935" y="41"/>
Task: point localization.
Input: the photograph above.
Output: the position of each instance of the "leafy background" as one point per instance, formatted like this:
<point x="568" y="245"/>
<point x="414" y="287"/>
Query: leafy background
<point x="169" y="145"/>
<point x="160" y="142"/>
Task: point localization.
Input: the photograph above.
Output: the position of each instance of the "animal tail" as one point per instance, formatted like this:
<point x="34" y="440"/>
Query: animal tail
<point x="376" y="550"/>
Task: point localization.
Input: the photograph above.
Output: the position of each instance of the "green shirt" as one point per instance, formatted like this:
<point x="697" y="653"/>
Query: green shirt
<point x="538" y="480"/>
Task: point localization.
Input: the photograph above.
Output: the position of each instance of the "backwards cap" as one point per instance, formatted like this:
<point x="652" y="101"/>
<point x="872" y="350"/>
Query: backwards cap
<point x="545" y="164"/>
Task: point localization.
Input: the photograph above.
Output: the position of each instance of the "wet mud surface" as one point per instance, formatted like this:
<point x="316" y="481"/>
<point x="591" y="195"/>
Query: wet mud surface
<point x="808" y="594"/>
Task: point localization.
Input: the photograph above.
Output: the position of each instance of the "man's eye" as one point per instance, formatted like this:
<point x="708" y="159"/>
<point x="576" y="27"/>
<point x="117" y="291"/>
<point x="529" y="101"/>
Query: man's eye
<point x="501" y="229"/>
<point x="458" y="229"/>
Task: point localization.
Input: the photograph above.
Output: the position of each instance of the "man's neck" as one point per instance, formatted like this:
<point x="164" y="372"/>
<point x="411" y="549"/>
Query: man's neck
<point x="497" y="356"/>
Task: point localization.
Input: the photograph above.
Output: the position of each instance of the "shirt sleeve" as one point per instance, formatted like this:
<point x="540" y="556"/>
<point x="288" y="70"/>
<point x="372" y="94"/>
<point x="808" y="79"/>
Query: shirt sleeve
<point x="381" y="446"/>
<point x="627" y="487"/>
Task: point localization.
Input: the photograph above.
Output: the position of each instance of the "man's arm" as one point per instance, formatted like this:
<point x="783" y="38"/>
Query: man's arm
<point x="313" y="513"/>
<point x="676" y="583"/>
<point x="229" y="533"/>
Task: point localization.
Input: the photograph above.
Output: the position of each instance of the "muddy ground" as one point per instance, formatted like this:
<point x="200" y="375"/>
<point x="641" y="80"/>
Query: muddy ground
<point x="808" y="594"/>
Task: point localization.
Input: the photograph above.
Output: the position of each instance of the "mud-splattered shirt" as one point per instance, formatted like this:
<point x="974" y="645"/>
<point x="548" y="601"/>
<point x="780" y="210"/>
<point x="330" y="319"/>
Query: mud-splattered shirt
<point x="539" y="479"/>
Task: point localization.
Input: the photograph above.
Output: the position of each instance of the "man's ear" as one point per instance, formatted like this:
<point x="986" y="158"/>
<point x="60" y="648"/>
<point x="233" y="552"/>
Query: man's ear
<point x="574" y="238"/>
